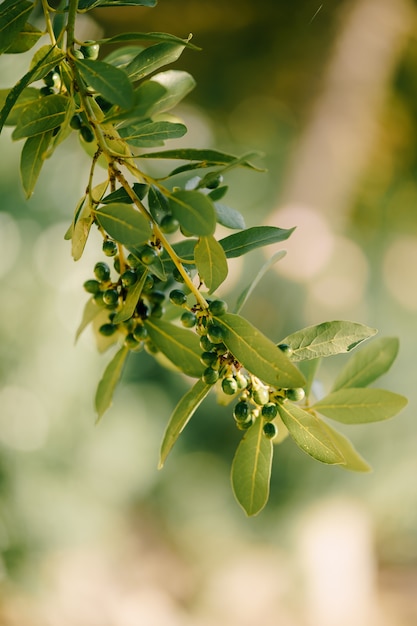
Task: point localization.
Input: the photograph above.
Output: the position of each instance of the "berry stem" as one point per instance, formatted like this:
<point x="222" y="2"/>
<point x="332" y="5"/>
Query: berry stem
<point x="48" y="22"/>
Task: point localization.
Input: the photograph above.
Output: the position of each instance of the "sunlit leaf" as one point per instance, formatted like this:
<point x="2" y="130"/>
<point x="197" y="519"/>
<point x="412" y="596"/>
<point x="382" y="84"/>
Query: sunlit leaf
<point x="123" y="223"/>
<point x="264" y="269"/>
<point x="179" y="345"/>
<point x="206" y="158"/>
<point x="194" y="211"/>
<point x="80" y="236"/>
<point x="368" y="364"/>
<point x="360" y="405"/>
<point x="26" y="39"/>
<point x="256" y="237"/>
<point x="153" y="58"/>
<point x="32" y="158"/>
<point x="41" y="115"/>
<point x="309" y="433"/>
<point x="148" y="134"/>
<point x="327" y="339"/>
<point x="352" y="460"/>
<point x="165" y="37"/>
<point x="111" y="82"/>
<point x="27" y="95"/>
<point x="45" y="59"/>
<point x="258" y="354"/>
<point x="182" y="414"/>
<point x="211" y="262"/>
<point x="13" y="16"/>
<point x="107" y="384"/>
<point x="251" y="469"/>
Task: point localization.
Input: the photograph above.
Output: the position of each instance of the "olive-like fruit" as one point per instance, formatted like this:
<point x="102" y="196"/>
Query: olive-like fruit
<point x="210" y="376"/>
<point x="129" y="324"/>
<point x="91" y="50"/>
<point x="133" y="260"/>
<point x="214" y="182"/>
<point x="296" y="394"/>
<point x="188" y="319"/>
<point x="107" y="329"/>
<point x="269" y="411"/>
<point x="169" y="224"/>
<point x="285" y="348"/>
<point x="148" y="284"/>
<point x="87" y="134"/>
<point x="78" y="54"/>
<point x="215" y="333"/>
<point x="218" y="307"/>
<point x="260" y="395"/>
<point x="229" y="386"/>
<point x="208" y="358"/>
<point x="92" y="286"/>
<point x="52" y="79"/>
<point x="205" y="343"/>
<point x="157" y="310"/>
<point x="131" y="342"/>
<point x="98" y="299"/>
<point x="102" y="271"/>
<point x="148" y="255"/>
<point x="110" y="297"/>
<point x="76" y="122"/>
<point x="242" y="381"/>
<point x="178" y="297"/>
<point x="128" y="278"/>
<point x="142" y="310"/>
<point x="242" y="411"/>
<point x="140" y="333"/>
<point x="109" y="247"/>
<point x="247" y="424"/>
<point x="269" y="430"/>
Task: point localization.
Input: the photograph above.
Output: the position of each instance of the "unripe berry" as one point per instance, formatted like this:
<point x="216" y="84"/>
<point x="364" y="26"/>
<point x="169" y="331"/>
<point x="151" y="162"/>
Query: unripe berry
<point x="210" y="376"/>
<point x="242" y="411"/>
<point x="148" y="255"/>
<point x="260" y="395"/>
<point x="102" y="271"/>
<point x="140" y="333"/>
<point x="205" y="343"/>
<point x="148" y="285"/>
<point x="157" y="310"/>
<point x="269" y="411"/>
<point x="285" y="348"/>
<point x="108" y="329"/>
<point x="128" y="278"/>
<point x="131" y="342"/>
<point x="109" y="247"/>
<point x="110" y="297"/>
<point x="92" y="286"/>
<point x="87" y="134"/>
<point x="242" y="381"/>
<point x="229" y="386"/>
<point x="214" y="182"/>
<point x="208" y="358"/>
<point x="215" y="333"/>
<point x="218" y="307"/>
<point x="295" y="394"/>
<point x="188" y="319"/>
<point x="177" y="297"/>
<point x="247" y="424"/>
<point x="270" y="430"/>
<point x="177" y="276"/>
<point x="169" y="224"/>
<point x="76" y="122"/>
<point x="90" y="51"/>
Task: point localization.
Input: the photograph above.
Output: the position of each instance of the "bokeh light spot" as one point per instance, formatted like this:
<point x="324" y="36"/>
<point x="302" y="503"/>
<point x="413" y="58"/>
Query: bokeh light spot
<point x="399" y="268"/>
<point x="23" y="420"/>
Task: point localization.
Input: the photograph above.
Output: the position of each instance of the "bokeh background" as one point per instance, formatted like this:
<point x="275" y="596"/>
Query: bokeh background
<point x="91" y="534"/>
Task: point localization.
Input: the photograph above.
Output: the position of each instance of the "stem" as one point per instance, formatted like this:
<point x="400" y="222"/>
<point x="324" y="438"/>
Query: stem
<point x="72" y="14"/>
<point x="48" y="22"/>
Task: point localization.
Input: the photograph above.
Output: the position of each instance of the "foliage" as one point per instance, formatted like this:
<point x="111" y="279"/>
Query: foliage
<point x="167" y="263"/>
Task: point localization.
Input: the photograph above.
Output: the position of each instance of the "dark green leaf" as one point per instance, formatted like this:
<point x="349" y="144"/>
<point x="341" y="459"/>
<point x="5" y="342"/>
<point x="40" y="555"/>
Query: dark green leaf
<point x="264" y="269"/>
<point x="218" y="193"/>
<point x="352" y="460"/>
<point x="326" y="339"/>
<point x="368" y="364"/>
<point x="360" y="406"/>
<point x="258" y="354"/>
<point x="251" y="469"/>
<point x="121" y="195"/>
<point x="158" y="203"/>
<point x="26" y="39"/>
<point x="27" y="95"/>
<point x="44" y="60"/>
<point x="122" y="37"/>
<point x="309" y="433"/>
<point x="153" y="58"/>
<point x="121" y="57"/>
<point x="256" y="237"/>
<point x="107" y="384"/>
<point x="41" y="115"/>
<point x="131" y="300"/>
<point x="124" y="223"/>
<point x="211" y="262"/>
<point x="149" y="134"/>
<point x="182" y="414"/>
<point x="13" y="16"/>
<point x="111" y="82"/>
<point x="228" y="217"/>
<point x="179" y="345"/>
<point x="194" y="211"/>
<point x="32" y="158"/>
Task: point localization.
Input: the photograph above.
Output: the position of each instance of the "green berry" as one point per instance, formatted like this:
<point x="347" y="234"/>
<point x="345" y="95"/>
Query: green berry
<point x="215" y="333"/>
<point x="110" y="297"/>
<point x="205" y="343"/>
<point x="76" y="122"/>
<point x="140" y="333"/>
<point x="87" y="134"/>
<point x="52" y="79"/>
<point x="148" y="255"/>
<point x="242" y="411"/>
<point x="218" y="307"/>
<point x="295" y="394"/>
<point x="128" y="278"/>
<point x="157" y="310"/>
<point x="242" y="381"/>
<point x="188" y="319"/>
<point x="78" y="54"/>
<point x="214" y="182"/>
<point x="177" y="276"/>
<point x="98" y="299"/>
<point x="270" y="430"/>
<point x="285" y="348"/>
<point x="92" y="286"/>
<point x="169" y="224"/>
<point x="269" y="411"/>
<point x="210" y="376"/>
<point x="260" y="395"/>
<point x="229" y="386"/>
<point x="133" y="260"/>
<point x="221" y="348"/>
<point x="108" y="329"/>
<point x="247" y="424"/>
<point x="208" y="358"/>
<point x="102" y="271"/>
<point x="90" y="51"/>
<point x="129" y="325"/>
<point x="131" y="342"/>
<point x="178" y="297"/>
<point x="109" y="247"/>
<point x="116" y="264"/>
<point x="148" y="284"/>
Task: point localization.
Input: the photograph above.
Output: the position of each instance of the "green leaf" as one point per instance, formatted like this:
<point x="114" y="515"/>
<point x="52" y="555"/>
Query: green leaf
<point x="180" y="346"/>
<point x="131" y="300"/>
<point x="32" y="158"/>
<point x="327" y="339"/>
<point x="80" y="236"/>
<point x="182" y="414"/>
<point x="13" y="16"/>
<point x="121" y="57"/>
<point x="107" y="384"/>
<point x="194" y="211"/>
<point x="26" y="39"/>
<point x="228" y="217"/>
<point x="360" y="406"/>
<point x="157" y="202"/>
<point x="86" y="5"/>
<point x="368" y="364"/>
<point x="27" y="95"/>
<point x="309" y="369"/>
<point x="352" y="460"/>
<point x="211" y="262"/>
<point x="124" y="223"/>
<point x="206" y="158"/>
<point x="258" y="354"/>
<point x="45" y="59"/>
<point x="111" y="82"/>
<point x="176" y="84"/>
<point x="121" y="195"/>
<point x="251" y="469"/>
<point x="309" y="433"/>
<point x="149" y="134"/>
<point x="123" y="37"/>
<point x="153" y="58"/>
<point x="250" y="288"/>
<point x="91" y="310"/>
<point x="256" y="237"/>
<point x="41" y="115"/>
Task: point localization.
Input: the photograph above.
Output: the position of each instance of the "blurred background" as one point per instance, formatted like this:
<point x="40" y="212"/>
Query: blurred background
<point x="91" y="534"/>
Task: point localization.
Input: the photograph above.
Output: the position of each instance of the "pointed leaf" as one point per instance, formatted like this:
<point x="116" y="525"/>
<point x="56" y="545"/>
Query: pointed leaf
<point x="86" y="5"/>
<point x="180" y="346"/>
<point x="352" y="459"/>
<point x="251" y="469"/>
<point x="45" y="59"/>
<point x="227" y="216"/>
<point x="194" y="211"/>
<point x="360" y="406"/>
<point x="176" y="83"/>
<point x="149" y="134"/>
<point x="264" y="269"/>
<point x="91" y="310"/>
<point x="123" y="37"/>
<point x="309" y="433"/>
<point x="32" y="158"/>
<point x="26" y="39"/>
<point x="107" y="384"/>
<point x="368" y="364"/>
<point x="41" y="115"/>
<point x="124" y="223"/>
<point x="207" y="158"/>
<point x="131" y="300"/>
<point x="258" y="354"/>
<point x="80" y="236"/>
<point x="153" y="58"/>
<point x="256" y="237"/>
<point x="121" y="195"/>
<point x="13" y="16"/>
<point x="211" y="262"/>
<point x="111" y="82"/>
<point x="182" y="414"/>
<point x="27" y="95"/>
<point x="327" y="339"/>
